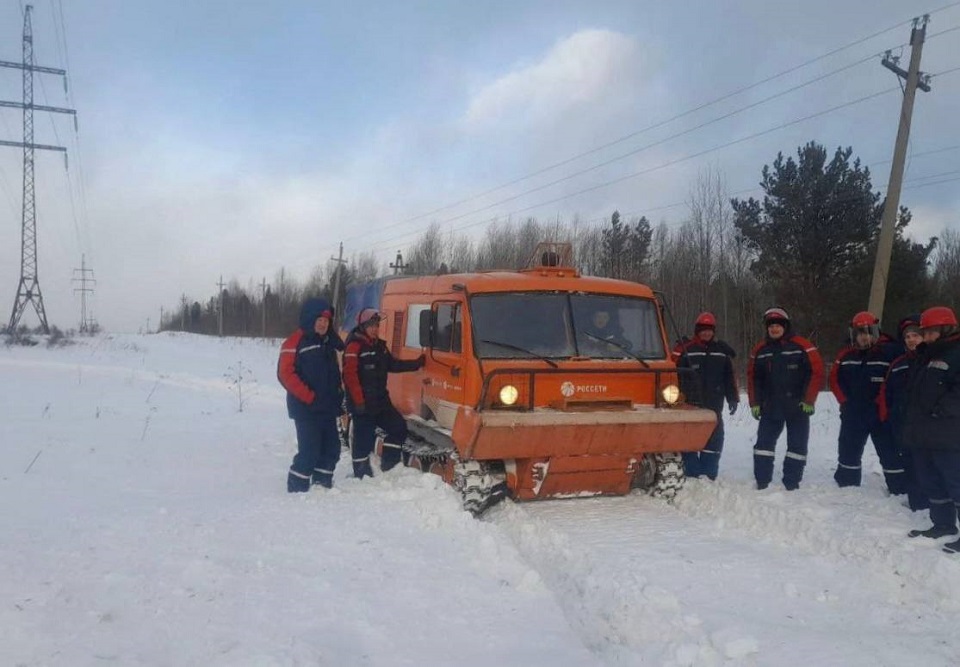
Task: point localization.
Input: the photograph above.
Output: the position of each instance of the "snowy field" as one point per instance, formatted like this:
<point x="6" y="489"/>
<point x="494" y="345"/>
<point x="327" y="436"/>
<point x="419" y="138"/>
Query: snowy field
<point x="145" y="522"/>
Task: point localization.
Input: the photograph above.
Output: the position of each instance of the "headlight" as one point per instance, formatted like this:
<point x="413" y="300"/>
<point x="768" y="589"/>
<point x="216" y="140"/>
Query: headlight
<point x="509" y="394"/>
<point x="671" y="394"/>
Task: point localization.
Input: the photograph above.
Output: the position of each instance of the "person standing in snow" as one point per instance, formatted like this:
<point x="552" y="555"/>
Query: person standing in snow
<point x="366" y="363"/>
<point x="893" y="402"/>
<point x="310" y="372"/>
<point x="855" y="379"/>
<point x="932" y="425"/>
<point x="784" y="376"/>
<point x="712" y="359"/>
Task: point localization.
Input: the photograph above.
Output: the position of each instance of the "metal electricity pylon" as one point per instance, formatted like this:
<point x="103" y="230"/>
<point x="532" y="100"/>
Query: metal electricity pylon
<point x="28" y="291"/>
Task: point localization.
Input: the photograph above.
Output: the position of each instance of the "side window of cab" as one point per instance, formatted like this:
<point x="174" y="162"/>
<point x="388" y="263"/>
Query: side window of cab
<point x="448" y="335"/>
<point x="414" y="315"/>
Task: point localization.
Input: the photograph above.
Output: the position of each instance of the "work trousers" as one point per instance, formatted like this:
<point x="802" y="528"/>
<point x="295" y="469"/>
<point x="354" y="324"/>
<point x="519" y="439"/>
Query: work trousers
<point x="706" y="462"/>
<point x="938" y="472"/>
<point x="855" y="428"/>
<point x="318" y="450"/>
<point x="768" y="432"/>
<point x="365" y="436"/>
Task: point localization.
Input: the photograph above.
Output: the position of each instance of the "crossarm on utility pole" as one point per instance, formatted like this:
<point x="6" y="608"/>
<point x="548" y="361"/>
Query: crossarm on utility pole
<point x="37" y="107"/>
<point x="33" y="68"/>
<point x="39" y="147"/>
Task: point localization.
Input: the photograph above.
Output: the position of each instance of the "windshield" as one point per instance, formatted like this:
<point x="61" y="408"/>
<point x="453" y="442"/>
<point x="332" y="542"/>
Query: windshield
<point x="561" y="325"/>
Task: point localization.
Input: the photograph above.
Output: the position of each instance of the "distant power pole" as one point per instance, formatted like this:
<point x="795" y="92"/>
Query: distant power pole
<point x="28" y="291"/>
<point x="83" y="289"/>
<point x="891" y="207"/>
<point x="398" y="266"/>
<point x="220" y="307"/>
<point x="280" y="297"/>
<point x="263" y="307"/>
<point x="336" y="279"/>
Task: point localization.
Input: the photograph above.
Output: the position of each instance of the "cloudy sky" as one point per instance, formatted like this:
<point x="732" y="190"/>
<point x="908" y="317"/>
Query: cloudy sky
<point x="235" y="137"/>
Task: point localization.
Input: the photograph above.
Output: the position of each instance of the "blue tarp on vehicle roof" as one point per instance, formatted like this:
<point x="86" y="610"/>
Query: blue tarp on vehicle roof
<point x="360" y="296"/>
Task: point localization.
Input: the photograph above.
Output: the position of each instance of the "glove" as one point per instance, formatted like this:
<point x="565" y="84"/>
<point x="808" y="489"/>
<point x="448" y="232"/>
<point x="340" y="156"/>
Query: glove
<point x="807" y="408"/>
<point x="733" y="408"/>
<point x="421" y="360"/>
<point x="359" y="410"/>
<point x="755" y="411"/>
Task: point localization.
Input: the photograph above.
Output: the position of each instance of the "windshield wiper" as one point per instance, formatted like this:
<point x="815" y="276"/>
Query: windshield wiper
<point x="520" y="349"/>
<point x="618" y="346"/>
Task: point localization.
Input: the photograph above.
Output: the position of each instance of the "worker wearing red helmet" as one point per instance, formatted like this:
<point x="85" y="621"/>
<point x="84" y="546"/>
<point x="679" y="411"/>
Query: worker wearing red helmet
<point x="855" y="380"/>
<point x="366" y="364"/>
<point x="932" y="426"/>
<point x="712" y="360"/>
<point x="784" y="376"/>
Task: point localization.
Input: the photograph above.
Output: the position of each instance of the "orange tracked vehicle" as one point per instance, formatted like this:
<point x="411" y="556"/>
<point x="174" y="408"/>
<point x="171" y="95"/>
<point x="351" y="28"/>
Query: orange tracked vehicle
<point x="539" y="383"/>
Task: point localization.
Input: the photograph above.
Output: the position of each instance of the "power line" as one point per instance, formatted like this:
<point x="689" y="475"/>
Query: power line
<point x="643" y="148"/>
<point x="757" y="188"/>
<point x="683" y="114"/>
<point x="69" y="92"/>
<point x="669" y="163"/>
<point x="648" y="128"/>
<point x="660" y="142"/>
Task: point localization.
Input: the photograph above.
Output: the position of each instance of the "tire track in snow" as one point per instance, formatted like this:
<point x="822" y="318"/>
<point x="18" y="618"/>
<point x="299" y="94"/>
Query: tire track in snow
<point x="623" y="616"/>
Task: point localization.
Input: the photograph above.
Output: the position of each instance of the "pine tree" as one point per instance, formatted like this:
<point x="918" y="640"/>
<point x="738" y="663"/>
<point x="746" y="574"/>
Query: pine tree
<point x="811" y="235"/>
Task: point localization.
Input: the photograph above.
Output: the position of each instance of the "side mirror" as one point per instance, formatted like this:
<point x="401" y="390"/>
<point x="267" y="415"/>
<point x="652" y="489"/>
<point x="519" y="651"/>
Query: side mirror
<point x="426" y="319"/>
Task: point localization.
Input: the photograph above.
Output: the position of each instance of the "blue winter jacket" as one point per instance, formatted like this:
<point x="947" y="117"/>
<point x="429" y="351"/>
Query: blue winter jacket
<point x="308" y="367"/>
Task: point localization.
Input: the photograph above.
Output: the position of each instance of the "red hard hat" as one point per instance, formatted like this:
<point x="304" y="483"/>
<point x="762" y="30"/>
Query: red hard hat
<point x="938" y="316"/>
<point x="706" y="320"/>
<point x="864" y="319"/>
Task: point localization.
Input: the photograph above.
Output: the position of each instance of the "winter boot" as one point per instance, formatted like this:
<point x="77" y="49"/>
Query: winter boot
<point x="934" y="532"/>
<point x="362" y="468"/>
<point x="297" y="483"/>
<point x="324" y="479"/>
<point x="762" y="485"/>
<point x="952" y="547"/>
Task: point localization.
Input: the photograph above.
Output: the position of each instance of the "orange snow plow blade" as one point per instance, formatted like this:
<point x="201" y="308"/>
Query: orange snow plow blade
<point x="545" y="432"/>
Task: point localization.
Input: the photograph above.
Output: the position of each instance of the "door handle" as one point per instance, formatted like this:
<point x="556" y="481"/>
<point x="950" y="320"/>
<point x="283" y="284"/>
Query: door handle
<point x="455" y="371"/>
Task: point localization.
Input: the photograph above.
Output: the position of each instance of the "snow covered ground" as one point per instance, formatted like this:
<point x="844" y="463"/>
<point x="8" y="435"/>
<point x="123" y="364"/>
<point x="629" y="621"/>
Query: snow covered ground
<point x="145" y="522"/>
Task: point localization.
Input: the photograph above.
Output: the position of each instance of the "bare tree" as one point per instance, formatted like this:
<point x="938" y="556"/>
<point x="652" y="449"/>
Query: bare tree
<point x="946" y="269"/>
<point x="426" y="255"/>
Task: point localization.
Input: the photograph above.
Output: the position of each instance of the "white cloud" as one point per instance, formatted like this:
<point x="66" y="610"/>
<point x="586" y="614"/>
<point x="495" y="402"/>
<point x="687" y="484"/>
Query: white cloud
<point x="582" y="68"/>
<point x="931" y="221"/>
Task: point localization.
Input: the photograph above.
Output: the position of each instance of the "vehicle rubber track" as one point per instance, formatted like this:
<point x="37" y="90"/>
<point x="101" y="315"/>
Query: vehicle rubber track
<point x="661" y="475"/>
<point x="481" y="484"/>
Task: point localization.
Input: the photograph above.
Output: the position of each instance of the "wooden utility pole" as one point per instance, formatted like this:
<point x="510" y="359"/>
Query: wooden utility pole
<point x="220" y="308"/>
<point x="891" y="207"/>
<point x="263" y="307"/>
<point x="336" y="280"/>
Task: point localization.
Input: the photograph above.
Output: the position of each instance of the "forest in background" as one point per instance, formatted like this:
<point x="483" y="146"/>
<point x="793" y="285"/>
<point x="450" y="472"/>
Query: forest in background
<point x="808" y="245"/>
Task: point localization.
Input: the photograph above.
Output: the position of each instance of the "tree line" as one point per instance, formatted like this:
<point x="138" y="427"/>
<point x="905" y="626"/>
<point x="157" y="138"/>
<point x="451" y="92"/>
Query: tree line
<point x="807" y="244"/>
